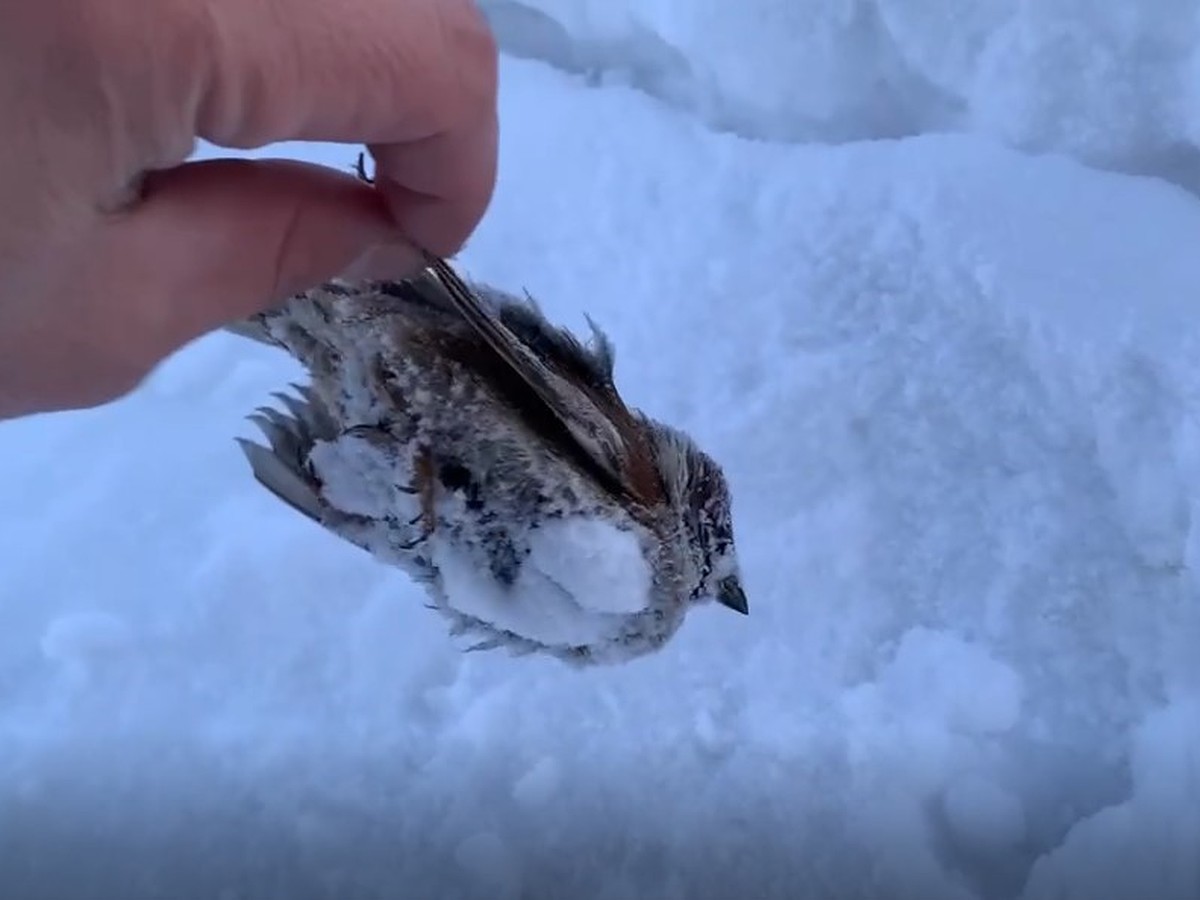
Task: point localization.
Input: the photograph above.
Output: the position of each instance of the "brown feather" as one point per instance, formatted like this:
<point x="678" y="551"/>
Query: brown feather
<point x="633" y="466"/>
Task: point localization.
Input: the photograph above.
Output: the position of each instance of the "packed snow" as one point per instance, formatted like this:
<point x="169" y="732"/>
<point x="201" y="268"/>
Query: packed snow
<point x="952" y="378"/>
<point x="600" y="565"/>
<point x="571" y="590"/>
<point x="1114" y="84"/>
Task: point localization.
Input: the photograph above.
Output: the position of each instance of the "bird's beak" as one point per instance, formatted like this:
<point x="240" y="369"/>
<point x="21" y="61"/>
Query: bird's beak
<point x="730" y="593"/>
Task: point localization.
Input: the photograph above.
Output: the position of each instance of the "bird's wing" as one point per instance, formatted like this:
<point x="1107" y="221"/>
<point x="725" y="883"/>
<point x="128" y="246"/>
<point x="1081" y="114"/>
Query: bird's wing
<point x="588" y="424"/>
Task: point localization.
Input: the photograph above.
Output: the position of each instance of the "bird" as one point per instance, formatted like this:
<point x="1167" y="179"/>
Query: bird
<point x="451" y="430"/>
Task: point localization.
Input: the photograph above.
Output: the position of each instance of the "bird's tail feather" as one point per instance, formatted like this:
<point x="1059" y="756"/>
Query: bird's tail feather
<point x="282" y="466"/>
<point x="253" y="328"/>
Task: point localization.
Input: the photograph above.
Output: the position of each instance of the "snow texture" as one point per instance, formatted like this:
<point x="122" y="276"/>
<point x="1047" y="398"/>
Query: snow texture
<point x="598" y="564"/>
<point x="577" y="575"/>
<point x="952" y="378"/>
<point x="1114" y="84"/>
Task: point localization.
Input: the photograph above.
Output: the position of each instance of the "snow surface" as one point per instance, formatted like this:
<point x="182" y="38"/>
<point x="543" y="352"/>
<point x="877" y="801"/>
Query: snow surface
<point x="1115" y="84"/>
<point x="953" y="383"/>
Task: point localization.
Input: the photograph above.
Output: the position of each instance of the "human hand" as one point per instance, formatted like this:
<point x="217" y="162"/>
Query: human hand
<point x="114" y="252"/>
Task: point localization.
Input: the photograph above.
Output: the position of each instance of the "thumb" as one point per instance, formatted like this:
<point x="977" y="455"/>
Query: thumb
<point x="215" y="241"/>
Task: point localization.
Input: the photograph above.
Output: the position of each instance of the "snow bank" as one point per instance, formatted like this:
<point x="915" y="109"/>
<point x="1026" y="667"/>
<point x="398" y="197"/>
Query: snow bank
<point x="1114" y="84"/>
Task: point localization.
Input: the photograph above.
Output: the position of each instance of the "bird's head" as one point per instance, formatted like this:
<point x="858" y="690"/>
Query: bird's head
<point x="698" y="497"/>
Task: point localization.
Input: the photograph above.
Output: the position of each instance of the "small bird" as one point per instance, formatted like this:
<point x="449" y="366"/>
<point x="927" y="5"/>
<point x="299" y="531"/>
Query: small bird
<point x="451" y="430"/>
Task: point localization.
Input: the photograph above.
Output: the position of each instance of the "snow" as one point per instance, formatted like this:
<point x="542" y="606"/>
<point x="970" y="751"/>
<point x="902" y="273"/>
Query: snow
<point x="946" y="352"/>
<point x="1111" y="83"/>
<point x="599" y="565"/>
<point x="984" y="814"/>
<point x="376" y="492"/>
<point x="80" y="644"/>
<point x="555" y="599"/>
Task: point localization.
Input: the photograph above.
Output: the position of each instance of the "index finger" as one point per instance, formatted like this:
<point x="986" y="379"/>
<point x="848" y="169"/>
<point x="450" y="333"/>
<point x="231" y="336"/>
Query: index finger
<point x="416" y="80"/>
